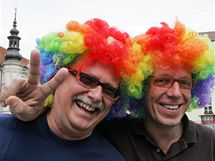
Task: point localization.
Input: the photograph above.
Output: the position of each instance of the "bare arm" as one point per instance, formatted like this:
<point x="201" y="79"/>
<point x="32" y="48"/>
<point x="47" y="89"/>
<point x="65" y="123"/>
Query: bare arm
<point x="26" y="97"/>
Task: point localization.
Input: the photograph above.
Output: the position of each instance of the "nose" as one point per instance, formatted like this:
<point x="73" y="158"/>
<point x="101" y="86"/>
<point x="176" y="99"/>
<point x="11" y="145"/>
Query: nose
<point x="96" y="93"/>
<point x="174" y="90"/>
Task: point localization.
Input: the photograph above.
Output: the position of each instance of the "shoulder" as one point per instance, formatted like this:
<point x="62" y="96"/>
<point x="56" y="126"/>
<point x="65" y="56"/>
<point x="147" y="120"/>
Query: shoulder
<point x="119" y="128"/>
<point x="100" y="143"/>
<point x="201" y="127"/>
<point x="115" y="125"/>
<point x="10" y="123"/>
<point x="5" y="117"/>
<point x="7" y="130"/>
<point x="202" y="131"/>
<point x="7" y="120"/>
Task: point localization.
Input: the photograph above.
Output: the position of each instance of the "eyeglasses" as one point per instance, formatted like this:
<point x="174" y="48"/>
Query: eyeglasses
<point x="166" y="82"/>
<point x="89" y="81"/>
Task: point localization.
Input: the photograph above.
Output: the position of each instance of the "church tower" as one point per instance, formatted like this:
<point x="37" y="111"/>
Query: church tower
<point x="13" y="49"/>
<point x="12" y="67"/>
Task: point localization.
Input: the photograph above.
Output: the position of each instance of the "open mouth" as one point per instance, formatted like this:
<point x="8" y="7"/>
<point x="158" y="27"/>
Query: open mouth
<point x="87" y="107"/>
<point x="171" y="107"/>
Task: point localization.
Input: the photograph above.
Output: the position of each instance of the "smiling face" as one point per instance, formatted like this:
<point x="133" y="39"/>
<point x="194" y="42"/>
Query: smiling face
<point x="166" y="106"/>
<point x="78" y="109"/>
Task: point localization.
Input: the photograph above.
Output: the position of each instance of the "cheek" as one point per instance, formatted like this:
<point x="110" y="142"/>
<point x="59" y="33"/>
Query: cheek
<point x="108" y="104"/>
<point x="154" y="93"/>
<point x="62" y="96"/>
<point x="66" y="91"/>
<point x="69" y="86"/>
<point x="188" y="96"/>
<point x="63" y="91"/>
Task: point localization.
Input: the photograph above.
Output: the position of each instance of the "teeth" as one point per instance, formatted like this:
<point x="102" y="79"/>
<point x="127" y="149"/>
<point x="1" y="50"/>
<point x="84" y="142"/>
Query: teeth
<point x="86" y="106"/>
<point x="171" y="107"/>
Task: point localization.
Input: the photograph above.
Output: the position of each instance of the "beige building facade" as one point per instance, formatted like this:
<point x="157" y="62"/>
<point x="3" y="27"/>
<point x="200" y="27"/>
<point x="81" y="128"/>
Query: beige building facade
<point x="12" y="64"/>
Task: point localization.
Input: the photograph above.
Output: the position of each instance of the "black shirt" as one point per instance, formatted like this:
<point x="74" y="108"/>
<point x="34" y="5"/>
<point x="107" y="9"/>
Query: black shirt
<point x="132" y="140"/>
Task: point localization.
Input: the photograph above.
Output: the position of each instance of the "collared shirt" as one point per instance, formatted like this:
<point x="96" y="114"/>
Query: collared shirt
<point x="132" y="140"/>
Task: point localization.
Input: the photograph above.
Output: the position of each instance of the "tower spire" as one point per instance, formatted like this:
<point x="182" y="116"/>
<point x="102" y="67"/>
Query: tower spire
<point x="13" y="49"/>
<point x="14" y="22"/>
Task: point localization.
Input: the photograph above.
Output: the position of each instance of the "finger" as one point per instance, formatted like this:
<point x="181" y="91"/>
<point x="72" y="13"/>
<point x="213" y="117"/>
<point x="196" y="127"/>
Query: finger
<point x="4" y="92"/>
<point x="2" y="102"/>
<point x="52" y="85"/>
<point x="34" y="72"/>
<point x="12" y="89"/>
<point x="16" y="105"/>
<point x="12" y="101"/>
<point x="22" y="111"/>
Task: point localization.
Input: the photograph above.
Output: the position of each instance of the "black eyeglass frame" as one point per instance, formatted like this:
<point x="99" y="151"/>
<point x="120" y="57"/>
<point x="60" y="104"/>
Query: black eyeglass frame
<point x="105" y="86"/>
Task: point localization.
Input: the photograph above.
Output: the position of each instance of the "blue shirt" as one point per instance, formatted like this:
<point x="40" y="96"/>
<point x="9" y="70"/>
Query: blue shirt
<point x="34" y="141"/>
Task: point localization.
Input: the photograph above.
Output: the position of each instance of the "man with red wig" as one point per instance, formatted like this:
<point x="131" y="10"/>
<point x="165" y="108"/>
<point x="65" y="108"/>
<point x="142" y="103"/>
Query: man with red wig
<point x="89" y="60"/>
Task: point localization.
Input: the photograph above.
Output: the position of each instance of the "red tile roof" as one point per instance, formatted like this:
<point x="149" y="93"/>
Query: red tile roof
<point x="2" y="54"/>
<point x="24" y="61"/>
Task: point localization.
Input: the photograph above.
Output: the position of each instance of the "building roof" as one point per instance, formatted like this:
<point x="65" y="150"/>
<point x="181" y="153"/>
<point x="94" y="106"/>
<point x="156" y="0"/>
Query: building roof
<point x="2" y="54"/>
<point x="211" y="34"/>
<point x="24" y="62"/>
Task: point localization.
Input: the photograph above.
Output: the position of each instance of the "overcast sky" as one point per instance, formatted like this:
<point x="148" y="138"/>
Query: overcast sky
<point x="36" y="18"/>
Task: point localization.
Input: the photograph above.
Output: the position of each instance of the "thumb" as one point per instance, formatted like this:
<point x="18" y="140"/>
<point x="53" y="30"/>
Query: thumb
<point x="52" y="85"/>
<point x="15" y="104"/>
<point x="21" y="110"/>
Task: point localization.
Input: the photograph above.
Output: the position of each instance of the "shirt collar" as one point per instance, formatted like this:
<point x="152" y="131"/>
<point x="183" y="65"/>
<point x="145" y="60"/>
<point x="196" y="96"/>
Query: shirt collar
<point x="189" y="130"/>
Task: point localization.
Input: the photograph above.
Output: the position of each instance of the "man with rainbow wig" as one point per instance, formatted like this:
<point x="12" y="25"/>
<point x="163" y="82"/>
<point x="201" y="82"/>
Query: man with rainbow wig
<point x="90" y="62"/>
<point x="175" y="72"/>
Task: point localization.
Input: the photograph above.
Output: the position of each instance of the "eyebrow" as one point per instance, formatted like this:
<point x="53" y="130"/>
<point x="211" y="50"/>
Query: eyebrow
<point x="107" y="83"/>
<point x="170" y="76"/>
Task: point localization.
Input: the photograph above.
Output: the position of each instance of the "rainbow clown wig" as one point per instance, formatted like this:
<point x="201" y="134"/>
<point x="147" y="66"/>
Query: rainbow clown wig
<point x="175" y="47"/>
<point x="95" y="40"/>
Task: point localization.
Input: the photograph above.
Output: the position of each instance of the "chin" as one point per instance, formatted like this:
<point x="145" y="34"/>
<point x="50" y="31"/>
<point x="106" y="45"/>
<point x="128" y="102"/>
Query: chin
<point x="169" y="122"/>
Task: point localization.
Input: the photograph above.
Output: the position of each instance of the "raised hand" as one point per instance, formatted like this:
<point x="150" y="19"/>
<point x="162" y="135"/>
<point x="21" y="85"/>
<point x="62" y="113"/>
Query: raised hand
<point x="25" y="98"/>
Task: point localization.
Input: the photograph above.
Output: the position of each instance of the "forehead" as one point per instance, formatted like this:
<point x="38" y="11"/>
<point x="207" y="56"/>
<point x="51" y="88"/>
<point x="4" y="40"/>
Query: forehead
<point x="176" y="72"/>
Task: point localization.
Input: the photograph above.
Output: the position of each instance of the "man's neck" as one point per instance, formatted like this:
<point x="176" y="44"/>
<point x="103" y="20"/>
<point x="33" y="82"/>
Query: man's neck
<point x="65" y="133"/>
<point x="164" y="136"/>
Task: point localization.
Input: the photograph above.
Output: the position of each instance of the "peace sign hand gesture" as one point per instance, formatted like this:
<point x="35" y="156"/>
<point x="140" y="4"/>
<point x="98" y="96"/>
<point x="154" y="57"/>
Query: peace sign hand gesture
<point x="25" y="98"/>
